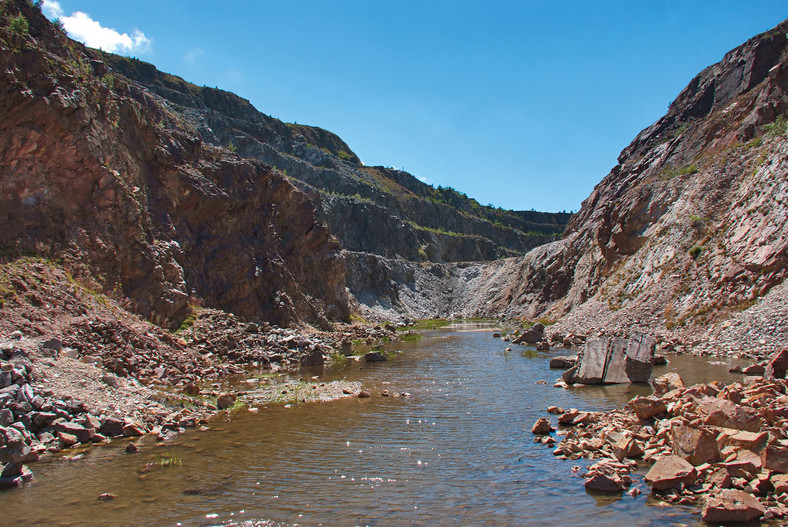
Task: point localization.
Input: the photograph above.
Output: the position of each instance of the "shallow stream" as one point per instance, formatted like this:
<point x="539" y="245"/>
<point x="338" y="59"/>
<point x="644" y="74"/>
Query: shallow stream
<point x="457" y="451"/>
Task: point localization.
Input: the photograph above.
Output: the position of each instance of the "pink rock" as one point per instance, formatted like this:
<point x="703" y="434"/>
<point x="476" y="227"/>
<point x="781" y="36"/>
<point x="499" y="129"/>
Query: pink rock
<point x="731" y="505"/>
<point x="670" y="471"/>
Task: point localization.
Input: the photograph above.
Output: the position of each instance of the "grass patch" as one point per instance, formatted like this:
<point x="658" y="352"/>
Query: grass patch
<point x="410" y="336"/>
<point x="430" y="323"/>
<point x="776" y="128"/>
<point x="168" y="460"/>
<point x="695" y="251"/>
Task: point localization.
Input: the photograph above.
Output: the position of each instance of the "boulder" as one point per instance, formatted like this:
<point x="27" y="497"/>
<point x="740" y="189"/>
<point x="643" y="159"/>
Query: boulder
<point x="670" y="471"/>
<point x="647" y="407"/>
<point x="732" y="505"/>
<point x="775" y="458"/>
<point x="562" y="362"/>
<point x="695" y="445"/>
<point x="82" y="434"/>
<point x="777" y="365"/>
<point x="613" y="360"/>
<point x="532" y="335"/>
<point x="542" y="426"/>
<point x="225" y="400"/>
<point x="111" y="426"/>
<point x="607" y="476"/>
<point x="375" y="356"/>
<point x="725" y="413"/>
<point x="666" y="383"/>
<point x="753" y="441"/>
<point x="627" y="447"/>
<point x="780" y="483"/>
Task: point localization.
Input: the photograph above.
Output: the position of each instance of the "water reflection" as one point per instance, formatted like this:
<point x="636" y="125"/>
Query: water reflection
<point x="458" y="451"/>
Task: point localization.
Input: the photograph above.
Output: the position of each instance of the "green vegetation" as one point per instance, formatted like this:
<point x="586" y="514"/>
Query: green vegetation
<point x="681" y="129"/>
<point x="19" y="25"/>
<point x="669" y="173"/>
<point x="189" y="321"/>
<point x="776" y="128"/>
<point x="430" y="323"/>
<point x="695" y="251"/>
<point x="168" y="460"/>
<point x="108" y="80"/>
<point x="232" y="148"/>
<point x="410" y="336"/>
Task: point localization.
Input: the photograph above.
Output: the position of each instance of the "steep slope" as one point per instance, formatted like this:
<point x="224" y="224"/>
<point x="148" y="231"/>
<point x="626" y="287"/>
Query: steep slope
<point x="687" y="234"/>
<point x="375" y="210"/>
<point x="98" y="173"/>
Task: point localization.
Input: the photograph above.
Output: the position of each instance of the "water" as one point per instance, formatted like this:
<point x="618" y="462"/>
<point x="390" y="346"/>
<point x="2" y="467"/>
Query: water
<point x="458" y="451"/>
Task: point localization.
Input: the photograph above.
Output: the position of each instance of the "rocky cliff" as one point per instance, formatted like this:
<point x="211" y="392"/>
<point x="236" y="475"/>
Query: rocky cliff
<point x="376" y="210"/>
<point x="101" y="174"/>
<point x="686" y="236"/>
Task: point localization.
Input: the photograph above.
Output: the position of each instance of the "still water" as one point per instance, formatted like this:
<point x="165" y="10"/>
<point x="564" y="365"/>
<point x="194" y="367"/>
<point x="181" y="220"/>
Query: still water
<point x="458" y="451"/>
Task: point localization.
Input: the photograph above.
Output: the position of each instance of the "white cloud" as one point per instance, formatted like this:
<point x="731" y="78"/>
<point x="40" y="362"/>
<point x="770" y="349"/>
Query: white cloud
<point x="193" y="55"/>
<point x="80" y="26"/>
<point x="52" y="9"/>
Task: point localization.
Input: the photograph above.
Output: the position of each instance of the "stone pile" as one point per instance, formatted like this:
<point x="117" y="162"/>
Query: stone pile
<point x="724" y="447"/>
<point x="33" y="420"/>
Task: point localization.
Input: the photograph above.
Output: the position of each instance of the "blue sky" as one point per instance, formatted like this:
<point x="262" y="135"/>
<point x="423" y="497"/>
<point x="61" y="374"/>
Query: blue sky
<point x="521" y="104"/>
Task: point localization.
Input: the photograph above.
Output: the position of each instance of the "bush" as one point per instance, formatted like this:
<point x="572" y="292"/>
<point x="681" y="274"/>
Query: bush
<point x="695" y="251"/>
<point x="19" y="25"/>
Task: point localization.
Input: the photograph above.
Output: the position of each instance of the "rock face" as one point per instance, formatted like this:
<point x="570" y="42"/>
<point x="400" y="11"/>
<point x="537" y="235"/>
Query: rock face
<point x="375" y="210"/>
<point x="686" y="233"/>
<point x="99" y="172"/>
<point x="614" y="360"/>
<point x="732" y="505"/>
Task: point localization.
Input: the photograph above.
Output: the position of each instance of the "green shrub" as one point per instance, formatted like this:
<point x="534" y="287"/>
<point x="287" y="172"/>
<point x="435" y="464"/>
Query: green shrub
<point x="695" y="251"/>
<point x="19" y="25"/>
<point x="776" y="128"/>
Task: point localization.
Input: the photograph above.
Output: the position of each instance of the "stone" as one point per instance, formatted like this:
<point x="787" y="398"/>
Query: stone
<point x="746" y="465"/>
<point x="131" y="448"/>
<point x="668" y="382"/>
<point x="54" y="344"/>
<point x="647" y="407"/>
<point x="670" y="471"/>
<point x="777" y="365"/>
<point x="720" y="478"/>
<point x="363" y="394"/>
<point x="314" y="358"/>
<point x="753" y="441"/>
<point x="82" y="434"/>
<point x="542" y="426"/>
<point x="225" y="400"/>
<point x="613" y="360"/>
<point x="67" y="439"/>
<point x="731" y="505"/>
<point x="133" y="430"/>
<point x="610" y="482"/>
<point x="659" y="360"/>
<point x="375" y="356"/>
<point x="16" y="480"/>
<point x="191" y="390"/>
<point x="695" y="445"/>
<point x="754" y="369"/>
<point x="627" y="447"/>
<point x="531" y="335"/>
<point x="6" y="417"/>
<point x="780" y="483"/>
<point x="775" y="458"/>
<point x="562" y="362"/>
<point x="725" y="413"/>
<point x="112" y="426"/>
